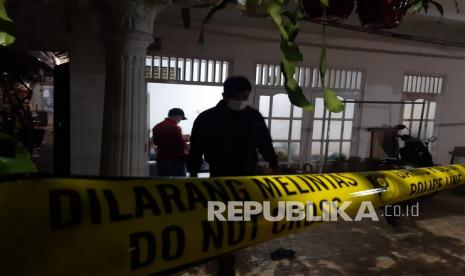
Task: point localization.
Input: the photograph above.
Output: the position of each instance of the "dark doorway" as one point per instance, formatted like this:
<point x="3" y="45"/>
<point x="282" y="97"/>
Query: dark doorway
<point x="34" y="106"/>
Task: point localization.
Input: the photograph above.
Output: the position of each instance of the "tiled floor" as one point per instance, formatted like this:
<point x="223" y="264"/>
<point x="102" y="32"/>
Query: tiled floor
<point x="431" y="244"/>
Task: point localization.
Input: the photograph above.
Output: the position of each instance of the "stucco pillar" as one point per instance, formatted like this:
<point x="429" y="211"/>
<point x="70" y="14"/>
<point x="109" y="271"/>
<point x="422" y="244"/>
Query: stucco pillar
<point x="128" y="31"/>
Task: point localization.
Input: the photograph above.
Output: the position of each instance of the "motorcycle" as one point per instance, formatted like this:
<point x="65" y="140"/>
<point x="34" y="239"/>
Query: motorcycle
<point x="414" y="154"/>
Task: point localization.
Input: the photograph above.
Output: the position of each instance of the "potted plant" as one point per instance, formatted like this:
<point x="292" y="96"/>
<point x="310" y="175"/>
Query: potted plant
<point x="336" y="10"/>
<point x="415" y="6"/>
<point x="377" y="14"/>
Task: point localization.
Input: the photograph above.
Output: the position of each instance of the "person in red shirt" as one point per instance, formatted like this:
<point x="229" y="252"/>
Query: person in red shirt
<point x="171" y="145"/>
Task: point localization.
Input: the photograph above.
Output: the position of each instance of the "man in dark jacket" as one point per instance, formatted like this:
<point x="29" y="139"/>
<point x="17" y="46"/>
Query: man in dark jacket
<point x="228" y="136"/>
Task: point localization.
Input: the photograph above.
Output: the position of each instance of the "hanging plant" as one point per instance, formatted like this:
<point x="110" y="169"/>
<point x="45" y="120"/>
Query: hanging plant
<point x="254" y="8"/>
<point x="287" y="18"/>
<point x="331" y="101"/>
<point x="381" y="14"/>
<point x="336" y="10"/>
<point x="287" y="22"/>
<point x="5" y="38"/>
<point x="288" y="25"/>
<point x="387" y="14"/>
<point x="415" y="6"/>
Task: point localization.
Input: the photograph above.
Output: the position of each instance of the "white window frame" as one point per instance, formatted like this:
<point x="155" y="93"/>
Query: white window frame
<point x="310" y="82"/>
<point x="355" y="133"/>
<point x="271" y="92"/>
<point x="432" y="92"/>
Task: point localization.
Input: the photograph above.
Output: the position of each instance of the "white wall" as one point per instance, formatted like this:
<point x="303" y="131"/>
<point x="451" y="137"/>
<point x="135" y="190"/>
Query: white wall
<point x="192" y="99"/>
<point x="384" y="61"/>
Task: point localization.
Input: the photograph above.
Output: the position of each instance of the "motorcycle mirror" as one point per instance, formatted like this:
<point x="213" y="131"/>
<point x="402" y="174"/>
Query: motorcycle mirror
<point x="400" y="127"/>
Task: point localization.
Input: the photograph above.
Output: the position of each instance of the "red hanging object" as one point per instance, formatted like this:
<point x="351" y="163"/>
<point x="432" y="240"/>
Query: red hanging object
<point x="381" y="14"/>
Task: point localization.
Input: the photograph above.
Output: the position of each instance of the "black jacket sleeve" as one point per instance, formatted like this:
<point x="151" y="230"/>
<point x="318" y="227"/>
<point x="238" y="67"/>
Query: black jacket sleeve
<point x="265" y="143"/>
<point x="195" y="160"/>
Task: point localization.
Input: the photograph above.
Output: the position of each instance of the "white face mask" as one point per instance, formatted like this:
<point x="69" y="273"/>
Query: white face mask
<point x="237" y="105"/>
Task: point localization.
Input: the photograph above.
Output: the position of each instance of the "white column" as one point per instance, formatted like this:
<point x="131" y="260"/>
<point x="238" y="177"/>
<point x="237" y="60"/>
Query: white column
<point x="128" y="32"/>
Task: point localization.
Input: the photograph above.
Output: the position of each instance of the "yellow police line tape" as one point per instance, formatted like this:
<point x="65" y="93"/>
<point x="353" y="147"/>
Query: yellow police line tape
<point x="63" y="226"/>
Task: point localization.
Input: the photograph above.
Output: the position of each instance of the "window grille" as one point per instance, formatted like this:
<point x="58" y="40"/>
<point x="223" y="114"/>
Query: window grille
<point x="186" y="70"/>
<point x="416" y="83"/>
<point x="344" y="79"/>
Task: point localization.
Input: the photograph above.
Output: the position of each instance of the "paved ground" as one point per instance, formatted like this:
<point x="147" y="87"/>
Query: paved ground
<point x="431" y="244"/>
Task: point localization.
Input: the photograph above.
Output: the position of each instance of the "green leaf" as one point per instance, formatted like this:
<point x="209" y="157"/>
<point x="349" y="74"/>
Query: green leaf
<point x="292" y="30"/>
<point x="416" y="6"/>
<point x="294" y="92"/>
<point x="6" y="39"/>
<point x="297" y="98"/>
<point x="291" y="51"/>
<point x="288" y="69"/>
<point x="438" y="7"/>
<point x="19" y="163"/>
<point x="296" y="15"/>
<point x="3" y="14"/>
<point x="287" y="23"/>
<point x="292" y="24"/>
<point x="186" y="17"/>
<point x="219" y="6"/>
<point x="324" y="3"/>
<point x="332" y="103"/>
<point x="274" y="8"/>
